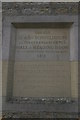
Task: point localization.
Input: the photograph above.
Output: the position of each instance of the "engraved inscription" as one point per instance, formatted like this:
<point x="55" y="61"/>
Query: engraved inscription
<point x="43" y="44"/>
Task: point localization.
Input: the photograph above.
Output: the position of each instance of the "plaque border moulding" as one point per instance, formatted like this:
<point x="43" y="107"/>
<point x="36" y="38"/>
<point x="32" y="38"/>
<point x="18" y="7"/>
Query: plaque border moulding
<point x="11" y="23"/>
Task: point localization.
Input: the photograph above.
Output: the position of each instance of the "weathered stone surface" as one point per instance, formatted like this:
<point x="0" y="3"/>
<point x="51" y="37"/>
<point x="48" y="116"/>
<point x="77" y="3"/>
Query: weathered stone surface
<point x="39" y="8"/>
<point x="30" y="9"/>
<point x="0" y="58"/>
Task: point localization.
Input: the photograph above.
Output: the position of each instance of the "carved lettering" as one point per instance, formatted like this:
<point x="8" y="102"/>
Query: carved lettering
<point x="51" y="41"/>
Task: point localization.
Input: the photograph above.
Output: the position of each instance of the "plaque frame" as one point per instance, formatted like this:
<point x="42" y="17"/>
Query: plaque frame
<point x="10" y="24"/>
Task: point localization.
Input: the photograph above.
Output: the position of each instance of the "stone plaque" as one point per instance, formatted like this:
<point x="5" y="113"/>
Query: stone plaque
<point x="42" y="67"/>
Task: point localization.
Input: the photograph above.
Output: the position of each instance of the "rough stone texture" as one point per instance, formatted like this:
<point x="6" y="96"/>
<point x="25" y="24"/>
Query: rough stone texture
<point x="38" y="8"/>
<point x="39" y="115"/>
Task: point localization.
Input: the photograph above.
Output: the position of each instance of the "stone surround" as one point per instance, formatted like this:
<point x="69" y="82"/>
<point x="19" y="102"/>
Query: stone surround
<point x="47" y="9"/>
